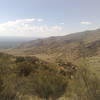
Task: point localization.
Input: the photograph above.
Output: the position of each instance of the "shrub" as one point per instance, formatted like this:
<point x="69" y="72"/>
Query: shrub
<point x="49" y="85"/>
<point x="20" y="59"/>
<point x="24" y="69"/>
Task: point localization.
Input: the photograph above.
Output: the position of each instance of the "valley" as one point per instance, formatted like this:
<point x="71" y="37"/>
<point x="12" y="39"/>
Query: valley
<point x="53" y="68"/>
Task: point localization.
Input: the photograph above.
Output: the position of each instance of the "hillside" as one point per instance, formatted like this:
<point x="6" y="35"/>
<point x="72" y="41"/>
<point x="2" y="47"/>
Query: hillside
<point x="40" y="68"/>
<point x="69" y="47"/>
<point x="30" y="78"/>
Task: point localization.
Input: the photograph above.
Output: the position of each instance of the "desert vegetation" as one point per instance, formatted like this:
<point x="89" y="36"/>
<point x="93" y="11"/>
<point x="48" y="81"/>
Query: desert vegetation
<point x="29" y="78"/>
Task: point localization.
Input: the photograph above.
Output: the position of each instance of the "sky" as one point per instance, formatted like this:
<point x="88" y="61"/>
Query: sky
<point x="44" y="18"/>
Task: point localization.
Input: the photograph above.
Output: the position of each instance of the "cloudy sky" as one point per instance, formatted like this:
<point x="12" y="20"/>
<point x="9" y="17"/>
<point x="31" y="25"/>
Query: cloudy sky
<point x="43" y="18"/>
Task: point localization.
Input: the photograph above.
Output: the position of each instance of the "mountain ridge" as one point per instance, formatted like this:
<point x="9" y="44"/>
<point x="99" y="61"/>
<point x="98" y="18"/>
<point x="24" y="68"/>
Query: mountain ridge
<point x="68" y="45"/>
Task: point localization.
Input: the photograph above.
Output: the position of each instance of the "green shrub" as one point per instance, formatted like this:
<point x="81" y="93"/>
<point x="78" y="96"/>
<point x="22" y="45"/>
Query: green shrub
<point x="49" y="85"/>
<point x="24" y="69"/>
<point x="20" y="59"/>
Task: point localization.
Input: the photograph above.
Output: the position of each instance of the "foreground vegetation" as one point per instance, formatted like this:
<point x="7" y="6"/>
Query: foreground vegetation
<point x="29" y="78"/>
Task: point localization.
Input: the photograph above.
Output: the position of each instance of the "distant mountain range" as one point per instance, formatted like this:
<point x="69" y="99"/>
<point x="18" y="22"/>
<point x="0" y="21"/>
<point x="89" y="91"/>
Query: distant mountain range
<point x="68" y="47"/>
<point x="12" y="42"/>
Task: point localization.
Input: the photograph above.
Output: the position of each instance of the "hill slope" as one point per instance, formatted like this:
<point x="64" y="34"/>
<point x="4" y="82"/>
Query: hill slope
<point x="69" y="47"/>
<point x="29" y="78"/>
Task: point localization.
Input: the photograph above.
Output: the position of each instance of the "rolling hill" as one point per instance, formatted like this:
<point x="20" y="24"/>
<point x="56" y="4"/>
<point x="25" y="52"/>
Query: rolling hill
<point x="80" y="49"/>
<point x="69" y="47"/>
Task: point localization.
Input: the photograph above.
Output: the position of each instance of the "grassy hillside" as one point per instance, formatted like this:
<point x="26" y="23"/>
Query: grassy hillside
<point x="29" y="78"/>
<point x="67" y="48"/>
<point x="78" y="49"/>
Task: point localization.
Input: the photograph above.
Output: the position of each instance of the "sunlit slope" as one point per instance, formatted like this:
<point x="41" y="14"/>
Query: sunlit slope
<point x="69" y="47"/>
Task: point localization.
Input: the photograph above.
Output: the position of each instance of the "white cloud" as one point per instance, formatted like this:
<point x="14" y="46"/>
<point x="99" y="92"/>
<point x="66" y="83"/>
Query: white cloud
<point x="26" y="27"/>
<point x="40" y="20"/>
<point x="62" y="23"/>
<point x="86" y="23"/>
